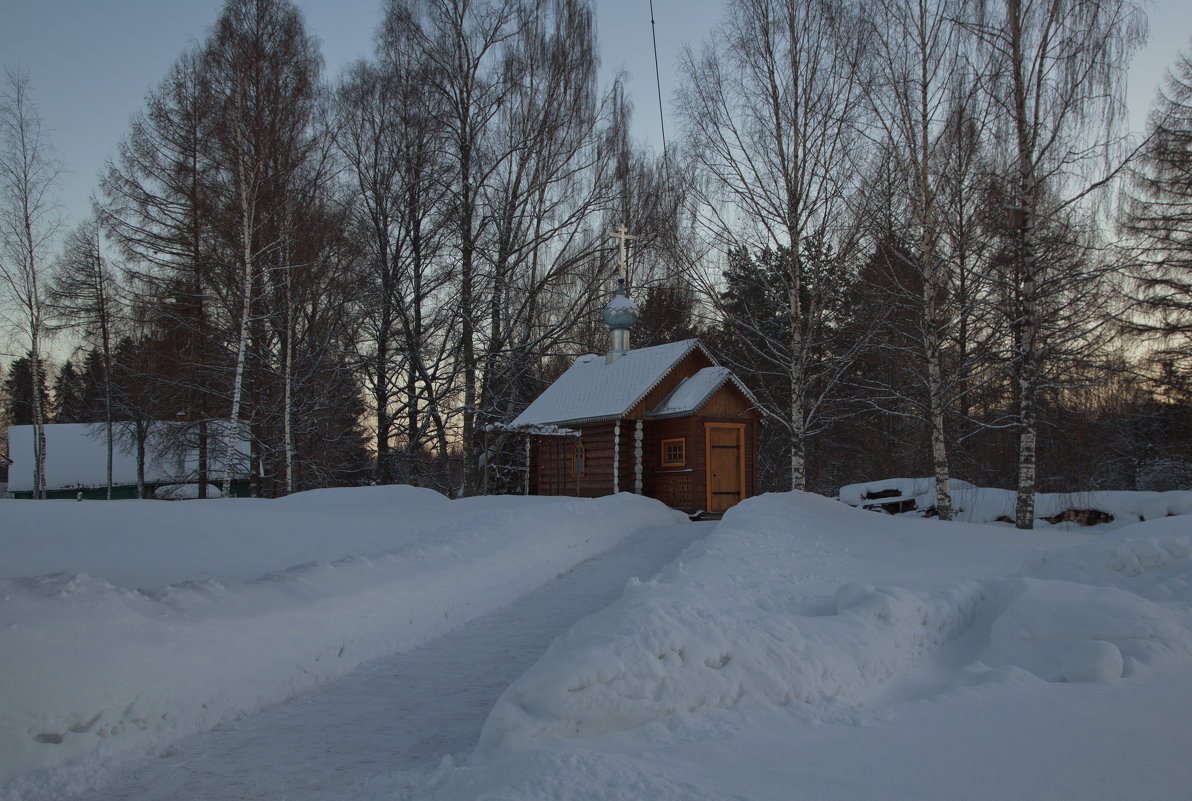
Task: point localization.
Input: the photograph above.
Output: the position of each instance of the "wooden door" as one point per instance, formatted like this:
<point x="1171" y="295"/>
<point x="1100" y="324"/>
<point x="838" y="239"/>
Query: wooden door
<point x="725" y="465"/>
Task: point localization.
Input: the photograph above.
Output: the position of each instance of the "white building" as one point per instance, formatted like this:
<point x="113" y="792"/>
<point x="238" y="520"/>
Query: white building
<point x="76" y="459"/>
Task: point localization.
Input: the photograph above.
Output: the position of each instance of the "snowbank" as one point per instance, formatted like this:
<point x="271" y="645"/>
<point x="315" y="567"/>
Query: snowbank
<point x="801" y="611"/>
<point x="92" y="672"/>
<point x="987" y="505"/>
<point x="895" y="488"/>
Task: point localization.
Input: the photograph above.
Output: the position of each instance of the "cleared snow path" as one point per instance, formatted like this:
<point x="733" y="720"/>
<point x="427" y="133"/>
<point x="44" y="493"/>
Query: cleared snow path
<point x="353" y="737"/>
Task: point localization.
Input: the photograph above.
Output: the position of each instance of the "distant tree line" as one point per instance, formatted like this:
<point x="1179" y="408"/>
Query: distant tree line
<point x="915" y="229"/>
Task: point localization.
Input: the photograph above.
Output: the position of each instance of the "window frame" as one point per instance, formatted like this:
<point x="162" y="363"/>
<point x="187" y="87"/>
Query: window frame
<point x="682" y="462"/>
<point x="579" y="459"/>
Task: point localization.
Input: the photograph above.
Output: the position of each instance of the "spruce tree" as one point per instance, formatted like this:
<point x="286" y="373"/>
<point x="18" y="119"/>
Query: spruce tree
<point x="1159" y="218"/>
<point x="18" y="392"/>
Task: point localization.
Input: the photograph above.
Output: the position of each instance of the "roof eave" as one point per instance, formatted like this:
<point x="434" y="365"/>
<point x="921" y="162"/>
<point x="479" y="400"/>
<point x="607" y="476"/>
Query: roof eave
<point x="579" y="421"/>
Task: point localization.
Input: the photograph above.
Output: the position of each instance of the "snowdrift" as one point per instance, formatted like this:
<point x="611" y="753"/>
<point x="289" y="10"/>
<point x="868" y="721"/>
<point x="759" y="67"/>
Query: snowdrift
<point x="92" y="673"/>
<point x="797" y="601"/>
<point x="974" y="504"/>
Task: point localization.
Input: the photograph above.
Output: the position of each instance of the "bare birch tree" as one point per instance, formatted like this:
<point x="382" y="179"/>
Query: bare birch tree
<point x="29" y="224"/>
<point x="1056" y="87"/>
<point x="918" y="66"/>
<point x="545" y="198"/>
<point x="770" y="113"/>
<point x="261" y="72"/>
<point x="462" y="47"/>
<point x="391" y="139"/>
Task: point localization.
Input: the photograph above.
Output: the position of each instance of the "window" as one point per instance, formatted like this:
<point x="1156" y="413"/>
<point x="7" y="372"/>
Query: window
<point x="579" y="457"/>
<point x="674" y="452"/>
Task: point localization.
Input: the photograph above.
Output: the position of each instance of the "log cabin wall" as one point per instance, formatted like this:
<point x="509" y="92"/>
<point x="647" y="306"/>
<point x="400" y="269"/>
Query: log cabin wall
<point x="553" y="462"/>
<point x="548" y="466"/>
<point x="676" y="486"/>
<point x="685" y="487"/>
<point x="681" y="487"/>
<point x="597" y="477"/>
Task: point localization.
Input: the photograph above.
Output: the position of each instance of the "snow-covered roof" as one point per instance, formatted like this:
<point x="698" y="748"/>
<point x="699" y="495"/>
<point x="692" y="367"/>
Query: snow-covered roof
<point x="594" y="389"/>
<point x="694" y="391"/>
<point x="76" y="456"/>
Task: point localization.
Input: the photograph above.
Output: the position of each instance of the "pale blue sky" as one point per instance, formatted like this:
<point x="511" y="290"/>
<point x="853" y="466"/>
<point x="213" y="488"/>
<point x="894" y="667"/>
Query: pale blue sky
<point x="92" y="61"/>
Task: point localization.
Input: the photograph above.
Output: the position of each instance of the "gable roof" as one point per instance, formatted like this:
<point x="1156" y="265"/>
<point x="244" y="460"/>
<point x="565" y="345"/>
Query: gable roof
<point x="695" y="390"/>
<point x="593" y="390"/>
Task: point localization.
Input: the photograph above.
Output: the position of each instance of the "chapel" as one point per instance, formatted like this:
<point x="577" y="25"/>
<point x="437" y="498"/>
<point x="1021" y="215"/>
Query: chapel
<point x="665" y="421"/>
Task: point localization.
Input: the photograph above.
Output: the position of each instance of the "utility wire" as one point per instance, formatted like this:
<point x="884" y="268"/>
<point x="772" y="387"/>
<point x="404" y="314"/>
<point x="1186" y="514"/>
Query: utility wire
<point x="658" y="84"/>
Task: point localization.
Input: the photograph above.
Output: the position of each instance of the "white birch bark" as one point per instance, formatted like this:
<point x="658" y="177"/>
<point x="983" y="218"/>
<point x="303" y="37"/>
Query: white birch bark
<point x="28" y="223"/>
<point x="1057" y="81"/>
<point x="769" y="108"/>
<point x="39" y="422"/>
<point x="1026" y="319"/>
<point x="933" y="283"/>
<point x="289" y="382"/>
<point x="246" y="234"/>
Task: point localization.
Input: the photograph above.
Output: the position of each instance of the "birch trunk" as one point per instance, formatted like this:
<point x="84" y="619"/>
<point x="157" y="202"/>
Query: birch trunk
<point x="107" y="409"/>
<point x="105" y="334"/>
<point x="933" y="283"/>
<point x="39" y="429"/>
<point x="939" y="443"/>
<point x="1027" y="377"/>
<point x="35" y="323"/>
<point x="289" y="381"/>
<point x="797" y="421"/>
<point x="203" y="459"/>
<point x="246" y="234"/>
<point x="27" y="223"/>
<point x="1026" y="357"/>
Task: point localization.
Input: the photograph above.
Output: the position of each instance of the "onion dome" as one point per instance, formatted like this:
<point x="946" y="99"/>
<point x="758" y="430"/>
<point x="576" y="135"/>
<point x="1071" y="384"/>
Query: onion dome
<point x="621" y="312"/>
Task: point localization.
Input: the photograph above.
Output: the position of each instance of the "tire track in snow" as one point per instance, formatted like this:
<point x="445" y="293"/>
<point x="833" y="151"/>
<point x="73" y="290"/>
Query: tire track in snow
<point x="399" y="713"/>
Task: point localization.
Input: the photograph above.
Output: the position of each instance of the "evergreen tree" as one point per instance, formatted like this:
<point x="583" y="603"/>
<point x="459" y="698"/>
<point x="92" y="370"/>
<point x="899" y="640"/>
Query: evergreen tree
<point x="18" y="392"/>
<point x="1159" y="217"/>
<point x="755" y="315"/>
<point x="667" y="315"/>
<point x="93" y="378"/>
<point x="70" y="403"/>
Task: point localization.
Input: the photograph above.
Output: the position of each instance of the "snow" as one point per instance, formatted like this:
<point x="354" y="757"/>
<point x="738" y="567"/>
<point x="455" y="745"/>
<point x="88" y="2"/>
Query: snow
<point x="593" y="389"/>
<point x="184" y="492"/>
<point x="243" y="604"/>
<point x="621" y="303"/>
<point x="800" y="648"/>
<point x="693" y="392"/>
<point x="915" y="488"/>
<point x="985" y="505"/>
<point x="852" y="655"/>
<point x="405" y="712"/>
<point x="76" y="457"/>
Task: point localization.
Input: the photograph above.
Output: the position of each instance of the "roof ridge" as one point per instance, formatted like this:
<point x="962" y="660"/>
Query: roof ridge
<point x="638" y="372"/>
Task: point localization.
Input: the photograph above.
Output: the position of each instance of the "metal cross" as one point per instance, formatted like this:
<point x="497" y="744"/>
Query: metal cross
<point x="623" y="234"/>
